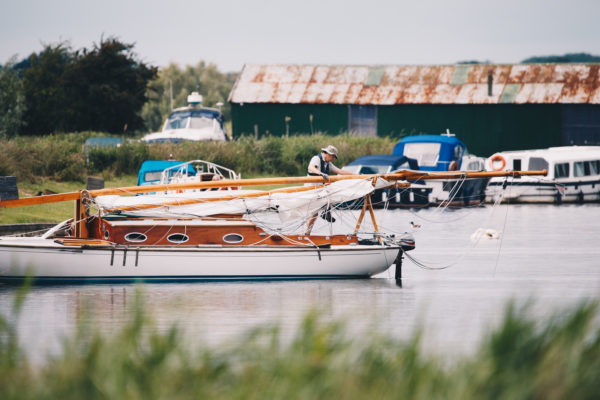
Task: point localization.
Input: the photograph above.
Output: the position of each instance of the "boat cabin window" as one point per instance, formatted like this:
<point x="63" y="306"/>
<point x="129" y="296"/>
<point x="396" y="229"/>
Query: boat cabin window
<point x="516" y="164"/>
<point x="475" y="165"/>
<point x="426" y="154"/>
<point x="561" y="170"/>
<point x="537" y="164"/>
<point x="233" y="238"/>
<point x="202" y="123"/>
<point x="177" y="123"/>
<point x="374" y="169"/>
<point x="136" y="237"/>
<point x="586" y="168"/>
<point x="152" y="176"/>
<point x="178" y="238"/>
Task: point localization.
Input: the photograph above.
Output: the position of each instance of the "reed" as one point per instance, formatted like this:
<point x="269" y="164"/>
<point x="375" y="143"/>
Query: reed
<point x="524" y="358"/>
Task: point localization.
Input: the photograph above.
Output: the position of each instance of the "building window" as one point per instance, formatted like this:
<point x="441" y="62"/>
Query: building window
<point x="362" y="120"/>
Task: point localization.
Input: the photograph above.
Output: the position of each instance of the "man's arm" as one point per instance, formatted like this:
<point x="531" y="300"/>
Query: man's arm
<point x="340" y="171"/>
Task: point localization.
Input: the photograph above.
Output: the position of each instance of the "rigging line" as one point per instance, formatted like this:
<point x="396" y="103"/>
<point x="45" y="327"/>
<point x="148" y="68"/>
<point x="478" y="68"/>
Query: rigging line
<point x="468" y="249"/>
<point x="502" y="235"/>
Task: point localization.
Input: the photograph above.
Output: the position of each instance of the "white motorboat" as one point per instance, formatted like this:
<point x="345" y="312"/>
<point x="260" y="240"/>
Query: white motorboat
<point x="573" y="175"/>
<point x="192" y="123"/>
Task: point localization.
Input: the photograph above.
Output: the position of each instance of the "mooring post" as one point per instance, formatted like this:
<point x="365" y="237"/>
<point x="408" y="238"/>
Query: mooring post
<point x="398" y="262"/>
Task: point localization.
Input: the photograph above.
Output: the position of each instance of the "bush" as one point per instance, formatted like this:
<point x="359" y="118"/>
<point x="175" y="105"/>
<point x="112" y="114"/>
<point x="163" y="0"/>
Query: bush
<point x="61" y="156"/>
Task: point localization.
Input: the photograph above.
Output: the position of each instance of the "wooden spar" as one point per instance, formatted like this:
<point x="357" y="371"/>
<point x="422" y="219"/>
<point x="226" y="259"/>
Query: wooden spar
<point x="415" y="175"/>
<point x="399" y="175"/>
<point x="131" y="190"/>
<point x="32" y="201"/>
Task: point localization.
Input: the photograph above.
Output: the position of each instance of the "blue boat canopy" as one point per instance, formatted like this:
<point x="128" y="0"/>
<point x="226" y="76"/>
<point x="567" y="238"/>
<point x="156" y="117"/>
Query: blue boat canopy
<point x="151" y="171"/>
<point x="432" y="152"/>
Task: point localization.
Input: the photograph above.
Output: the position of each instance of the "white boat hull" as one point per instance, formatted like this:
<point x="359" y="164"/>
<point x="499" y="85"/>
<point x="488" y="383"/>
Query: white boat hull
<point x="48" y="261"/>
<point x="527" y="190"/>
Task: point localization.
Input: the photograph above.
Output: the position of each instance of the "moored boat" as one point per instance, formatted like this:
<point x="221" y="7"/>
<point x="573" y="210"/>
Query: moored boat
<point x="430" y="153"/>
<point x="207" y="235"/>
<point x="573" y="175"/>
<point x="191" y="123"/>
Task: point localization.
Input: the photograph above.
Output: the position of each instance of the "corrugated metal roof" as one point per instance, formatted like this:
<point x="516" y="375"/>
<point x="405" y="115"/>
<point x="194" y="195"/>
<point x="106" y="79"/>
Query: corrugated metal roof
<point x="413" y="84"/>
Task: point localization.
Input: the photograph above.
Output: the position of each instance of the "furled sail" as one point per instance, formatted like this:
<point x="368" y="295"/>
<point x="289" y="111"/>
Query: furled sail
<point x="288" y="205"/>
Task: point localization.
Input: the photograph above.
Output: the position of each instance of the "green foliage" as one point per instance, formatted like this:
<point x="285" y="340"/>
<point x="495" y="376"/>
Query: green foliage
<point x="206" y="79"/>
<point x="62" y="156"/>
<point x="12" y="101"/>
<point x="270" y="155"/>
<point x="101" y="89"/>
<point x="554" y="358"/>
<point x="44" y="86"/>
<point x="58" y="157"/>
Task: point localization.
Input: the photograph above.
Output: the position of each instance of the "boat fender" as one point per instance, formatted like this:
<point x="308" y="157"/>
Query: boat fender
<point x="453" y="166"/>
<point x="497" y="158"/>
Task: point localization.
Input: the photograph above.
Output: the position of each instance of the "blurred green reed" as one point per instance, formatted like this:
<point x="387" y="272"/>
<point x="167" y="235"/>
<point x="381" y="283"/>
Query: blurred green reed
<point x="523" y="358"/>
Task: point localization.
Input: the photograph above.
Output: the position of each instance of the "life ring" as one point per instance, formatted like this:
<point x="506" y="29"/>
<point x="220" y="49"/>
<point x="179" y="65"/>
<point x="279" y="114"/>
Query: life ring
<point x="499" y="158"/>
<point x="453" y="166"/>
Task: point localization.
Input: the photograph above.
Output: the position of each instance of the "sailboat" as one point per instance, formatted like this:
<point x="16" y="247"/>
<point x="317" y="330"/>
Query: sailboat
<point x="181" y="234"/>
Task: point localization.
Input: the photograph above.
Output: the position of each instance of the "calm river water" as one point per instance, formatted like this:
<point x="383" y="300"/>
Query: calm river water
<point x="546" y="254"/>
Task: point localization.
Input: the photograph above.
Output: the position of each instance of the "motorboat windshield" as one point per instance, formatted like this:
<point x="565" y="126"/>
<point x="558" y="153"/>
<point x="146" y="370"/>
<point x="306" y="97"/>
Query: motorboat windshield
<point x="195" y="119"/>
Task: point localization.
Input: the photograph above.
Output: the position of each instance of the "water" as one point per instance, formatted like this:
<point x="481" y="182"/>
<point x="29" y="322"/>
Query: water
<point x="548" y="255"/>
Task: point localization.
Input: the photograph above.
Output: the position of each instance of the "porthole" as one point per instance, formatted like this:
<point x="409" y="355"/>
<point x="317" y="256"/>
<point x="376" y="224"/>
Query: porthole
<point x="106" y="235"/>
<point x="233" y="238"/>
<point x="178" y="238"/>
<point x="136" y="237"/>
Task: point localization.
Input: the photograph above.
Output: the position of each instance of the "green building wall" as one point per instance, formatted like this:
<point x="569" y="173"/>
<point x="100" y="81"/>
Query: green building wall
<point x="485" y="129"/>
<point x="270" y="118"/>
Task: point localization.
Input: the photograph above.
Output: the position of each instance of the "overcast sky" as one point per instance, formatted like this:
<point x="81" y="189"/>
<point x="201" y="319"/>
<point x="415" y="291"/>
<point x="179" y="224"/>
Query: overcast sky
<point x="230" y="33"/>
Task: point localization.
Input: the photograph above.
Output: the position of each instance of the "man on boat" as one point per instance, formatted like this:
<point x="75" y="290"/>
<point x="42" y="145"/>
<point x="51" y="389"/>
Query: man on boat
<point x="321" y="165"/>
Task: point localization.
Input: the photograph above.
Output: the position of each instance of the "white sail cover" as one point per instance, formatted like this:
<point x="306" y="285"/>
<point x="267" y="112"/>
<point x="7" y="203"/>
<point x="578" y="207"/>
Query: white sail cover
<point x="287" y="205"/>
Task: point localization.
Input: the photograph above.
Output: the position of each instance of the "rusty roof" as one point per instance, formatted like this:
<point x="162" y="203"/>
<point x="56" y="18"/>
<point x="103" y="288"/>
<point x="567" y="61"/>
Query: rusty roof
<point x="418" y="84"/>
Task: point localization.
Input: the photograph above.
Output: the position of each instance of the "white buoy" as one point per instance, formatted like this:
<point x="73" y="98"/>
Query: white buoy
<point x="485" y="234"/>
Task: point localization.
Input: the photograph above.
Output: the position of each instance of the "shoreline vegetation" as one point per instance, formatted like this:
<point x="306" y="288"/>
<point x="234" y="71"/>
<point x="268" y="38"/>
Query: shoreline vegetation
<point x="523" y="357"/>
<point x="60" y="163"/>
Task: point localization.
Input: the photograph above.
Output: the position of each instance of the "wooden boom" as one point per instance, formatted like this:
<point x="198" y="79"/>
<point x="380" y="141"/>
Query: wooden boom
<point x="403" y="175"/>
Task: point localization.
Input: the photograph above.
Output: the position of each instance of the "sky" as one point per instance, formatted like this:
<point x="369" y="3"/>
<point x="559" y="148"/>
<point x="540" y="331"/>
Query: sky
<point x="231" y="33"/>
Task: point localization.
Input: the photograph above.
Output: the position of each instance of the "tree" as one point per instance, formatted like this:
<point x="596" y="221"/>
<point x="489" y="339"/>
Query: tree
<point x="12" y="100"/>
<point x="101" y="89"/>
<point x="45" y="92"/>
<point x="110" y="86"/>
<point x="213" y="85"/>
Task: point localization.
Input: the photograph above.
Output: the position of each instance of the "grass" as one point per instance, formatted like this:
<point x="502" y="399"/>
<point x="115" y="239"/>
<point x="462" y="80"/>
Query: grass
<point x="523" y="358"/>
<point x="52" y="212"/>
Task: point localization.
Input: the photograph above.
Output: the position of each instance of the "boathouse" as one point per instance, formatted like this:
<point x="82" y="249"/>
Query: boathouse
<point x="489" y="107"/>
